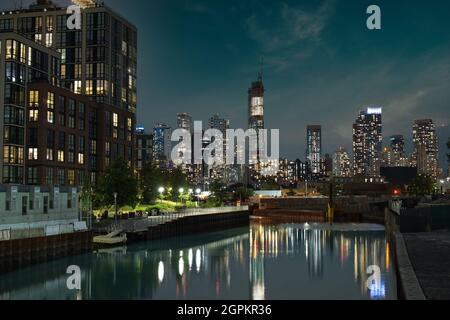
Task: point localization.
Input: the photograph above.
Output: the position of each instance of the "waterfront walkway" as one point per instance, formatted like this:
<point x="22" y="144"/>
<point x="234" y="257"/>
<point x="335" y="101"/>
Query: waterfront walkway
<point x="142" y="224"/>
<point x="430" y="256"/>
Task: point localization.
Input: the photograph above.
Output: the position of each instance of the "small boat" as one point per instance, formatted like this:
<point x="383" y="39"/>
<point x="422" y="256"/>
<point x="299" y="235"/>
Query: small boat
<point x="115" y="238"/>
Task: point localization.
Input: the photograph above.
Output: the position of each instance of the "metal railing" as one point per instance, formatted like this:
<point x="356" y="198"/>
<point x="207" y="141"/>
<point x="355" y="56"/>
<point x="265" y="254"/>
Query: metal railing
<point x="142" y="224"/>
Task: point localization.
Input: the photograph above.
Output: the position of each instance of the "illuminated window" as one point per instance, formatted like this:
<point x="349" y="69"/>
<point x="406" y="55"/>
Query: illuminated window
<point x="50" y="100"/>
<point x="80" y="158"/>
<point x="77" y="86"/>
<point x="60" y="156"/>
<point x="89" y="87"/>
<point x="71" y="177"/>
<point x="33" y="99"/>
<point x="32" y="154"/>
<point x="11" y="49"/>
<point x="33" y="116"/>
<point x="49" y="154"/>
<point x="115" y="121"/>
<point x="48" y="39"/>
<point x="50" y="117"/>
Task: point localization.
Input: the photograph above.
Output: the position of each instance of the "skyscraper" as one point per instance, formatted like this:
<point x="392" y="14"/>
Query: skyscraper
<point x="341" y="163"/>
<point x="367" y="142"/>
<point x="184" y="121"/>
<point x="314" y="149"/>
<point x="256" y="122"/>
<point x="398" y="144"/>
<point x="162" y="144"/>
<point x="425" y="155"/>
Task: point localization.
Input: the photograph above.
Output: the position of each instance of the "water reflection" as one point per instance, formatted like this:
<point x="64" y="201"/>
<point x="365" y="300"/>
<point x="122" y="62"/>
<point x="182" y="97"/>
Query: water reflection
<point x="292" y="261"/>
<point x="317" y="262"/>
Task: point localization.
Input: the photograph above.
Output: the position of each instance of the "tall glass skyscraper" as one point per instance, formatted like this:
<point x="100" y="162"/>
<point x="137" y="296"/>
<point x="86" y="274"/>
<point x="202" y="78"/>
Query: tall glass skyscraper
<point x="425" y="156"/>
<point x="368" y="142"/>
<point x="314" y="149"/>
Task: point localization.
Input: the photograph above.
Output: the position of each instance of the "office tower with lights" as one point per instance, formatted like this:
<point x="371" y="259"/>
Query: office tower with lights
<point x="162" y="144"/>
<point x="220" y="172"/>
<point x="256" y="122"/>
<point x="398" y="144"/>
<point x="314" y="150"/>
<point x="341" y="163"/>
<point x="426" y="150"/>
<point x="184" y="121"/>
<point x="367" y="142"/>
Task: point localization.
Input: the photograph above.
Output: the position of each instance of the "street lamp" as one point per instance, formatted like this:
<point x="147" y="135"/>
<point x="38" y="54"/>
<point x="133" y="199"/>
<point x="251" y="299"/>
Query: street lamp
<point x="181" y="191"/>
<point x="161" y="191"/>
<point x="197" y="192"/>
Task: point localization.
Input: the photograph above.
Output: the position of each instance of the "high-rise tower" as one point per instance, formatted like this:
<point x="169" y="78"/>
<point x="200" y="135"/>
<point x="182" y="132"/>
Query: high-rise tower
<point x="367" y="142"/>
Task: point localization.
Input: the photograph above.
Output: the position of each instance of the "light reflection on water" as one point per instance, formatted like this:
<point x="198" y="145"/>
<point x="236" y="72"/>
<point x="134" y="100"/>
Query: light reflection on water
<point x="289" y="261"/>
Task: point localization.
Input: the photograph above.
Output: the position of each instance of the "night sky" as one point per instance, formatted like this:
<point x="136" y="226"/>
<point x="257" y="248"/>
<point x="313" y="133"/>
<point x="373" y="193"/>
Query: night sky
<point x="322" y="65"/>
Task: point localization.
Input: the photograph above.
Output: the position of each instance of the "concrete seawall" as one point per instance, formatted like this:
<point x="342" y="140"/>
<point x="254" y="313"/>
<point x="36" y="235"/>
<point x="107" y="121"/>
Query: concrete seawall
<point x="19" y="253"/>
<point x="193" y="224"/>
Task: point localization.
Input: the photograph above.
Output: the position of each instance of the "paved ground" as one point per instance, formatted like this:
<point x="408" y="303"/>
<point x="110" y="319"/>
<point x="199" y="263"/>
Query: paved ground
<point x="430" y="257"/>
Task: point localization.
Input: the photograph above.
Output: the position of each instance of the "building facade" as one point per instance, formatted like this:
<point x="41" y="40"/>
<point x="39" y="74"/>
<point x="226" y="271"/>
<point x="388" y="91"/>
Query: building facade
<point x="256" y="122"/>
<point x="99" y="60"/>
<point x="71" y="138"/>
<point x="162" y="144"/>
<point x="341" y="163"/>
<point x="144" y="150"/>
<point x="426" y="149"/>
<point x="314" y="149"/>
<point x="68" y="98"/>
<point x="22" y="61"/>
<point x="367" y="142"/>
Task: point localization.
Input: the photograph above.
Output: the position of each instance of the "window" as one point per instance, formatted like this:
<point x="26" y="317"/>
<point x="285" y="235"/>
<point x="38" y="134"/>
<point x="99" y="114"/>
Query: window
<point x="32" y="154"/>
<point x="49" y="23"/>
<point x="50" y="117"/>
<point x="61" y="177"/>
<point x="71" y="177"/>
<point x="33" y="99"/>
<point x="48" y="39"/>
<point x="81" y="158"/>
<point x="32" y="177"/>
<point x="49" y="154"/>
<point x="11" y="49"/>
<point x="33" y="115"/>
<point x="49" y="176"/>
<point x="72" y="113"/>
<point x="60" y="156"/>
<point x="51" y="100"/>
<point x="115" y="125"/>
<point x="50" y="107"/>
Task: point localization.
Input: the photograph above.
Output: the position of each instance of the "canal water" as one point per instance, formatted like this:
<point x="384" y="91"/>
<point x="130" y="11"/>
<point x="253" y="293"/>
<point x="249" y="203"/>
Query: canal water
<point x="263" y="261"/>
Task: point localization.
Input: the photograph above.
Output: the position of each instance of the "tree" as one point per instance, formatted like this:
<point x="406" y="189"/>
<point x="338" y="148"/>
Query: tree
<point x="242" y="194"/>
<point x="219" y="192"/>
<point x="118" y="178"/>
<point x="152" y="180"/>
<point x="422" y="185"/>
<point x="177" y="180"/>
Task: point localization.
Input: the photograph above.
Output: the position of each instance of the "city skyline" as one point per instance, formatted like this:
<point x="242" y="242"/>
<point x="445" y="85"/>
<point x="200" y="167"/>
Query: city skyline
<point x="320" y="77"/>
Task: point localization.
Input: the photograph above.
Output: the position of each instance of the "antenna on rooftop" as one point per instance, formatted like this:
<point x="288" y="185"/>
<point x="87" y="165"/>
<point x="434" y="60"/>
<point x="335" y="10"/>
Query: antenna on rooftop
<point x="261" y="68"/>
